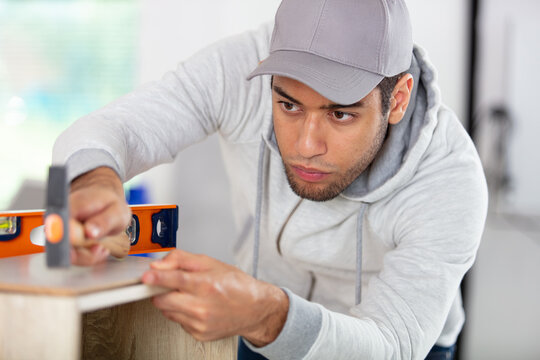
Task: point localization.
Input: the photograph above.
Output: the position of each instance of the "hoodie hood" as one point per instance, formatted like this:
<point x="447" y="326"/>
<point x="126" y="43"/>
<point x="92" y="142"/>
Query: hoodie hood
<point x="405" y="143"/>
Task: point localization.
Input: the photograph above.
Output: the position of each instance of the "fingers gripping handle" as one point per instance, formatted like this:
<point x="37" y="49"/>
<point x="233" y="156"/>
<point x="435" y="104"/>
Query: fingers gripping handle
<point x="57" y="219"/>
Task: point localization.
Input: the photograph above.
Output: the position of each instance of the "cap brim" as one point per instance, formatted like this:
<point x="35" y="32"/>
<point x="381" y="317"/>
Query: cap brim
<point x="342" y="84"/>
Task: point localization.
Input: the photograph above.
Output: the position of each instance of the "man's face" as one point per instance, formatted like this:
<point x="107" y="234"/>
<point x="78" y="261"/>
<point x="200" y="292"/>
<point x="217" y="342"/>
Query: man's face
<point x="324" y="145"/>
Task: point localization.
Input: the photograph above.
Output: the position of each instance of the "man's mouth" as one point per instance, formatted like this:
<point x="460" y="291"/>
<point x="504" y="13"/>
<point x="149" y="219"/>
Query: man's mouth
<point x="309" y="174"/>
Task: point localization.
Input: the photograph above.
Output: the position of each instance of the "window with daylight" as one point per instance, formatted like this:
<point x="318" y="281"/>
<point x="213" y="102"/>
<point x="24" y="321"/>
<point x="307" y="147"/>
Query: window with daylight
<point x="58" y="61"/>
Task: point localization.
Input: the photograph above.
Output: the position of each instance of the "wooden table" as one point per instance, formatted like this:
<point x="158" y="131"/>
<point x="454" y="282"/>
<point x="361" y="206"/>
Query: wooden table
<point x="100" y="312"/>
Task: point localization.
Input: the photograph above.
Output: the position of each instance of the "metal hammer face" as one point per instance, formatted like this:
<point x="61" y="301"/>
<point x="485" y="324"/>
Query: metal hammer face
<point x="57" y="219"/>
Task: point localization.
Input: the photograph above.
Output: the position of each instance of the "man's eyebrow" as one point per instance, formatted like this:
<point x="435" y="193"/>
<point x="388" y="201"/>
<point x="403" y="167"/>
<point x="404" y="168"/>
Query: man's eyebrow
<point x="332" y="106"/>
<point x="340" y="106"/>
<point x="282" y="92"/>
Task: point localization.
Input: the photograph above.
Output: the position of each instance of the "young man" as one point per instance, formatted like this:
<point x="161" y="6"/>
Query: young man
<point x="365" y="196"/>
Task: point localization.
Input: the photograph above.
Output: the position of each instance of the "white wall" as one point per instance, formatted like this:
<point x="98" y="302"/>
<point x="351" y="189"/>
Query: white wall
<point x="172" y="30"/>
<point x="508" y="75"/>
<point x="442" y="28"/>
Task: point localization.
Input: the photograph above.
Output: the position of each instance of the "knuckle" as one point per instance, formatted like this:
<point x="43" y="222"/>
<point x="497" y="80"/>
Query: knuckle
<point x="203" y="338"/>
<point x="169" y="316"/>
<point x="201" y="329"/>
<point x="79" y="205"/>
<point x="122" y="215"/>
<point x="158" y="276"/>
<point x="203" y="258"/>
<point x="122" y="209"/>
<point x="106" y="221"/>
<point x="202" y="313"/>
<point x="185" y="278"/>
<point x="212" y="287"/>
<point x="175" y="255"/>
<point x="198" y="336"/>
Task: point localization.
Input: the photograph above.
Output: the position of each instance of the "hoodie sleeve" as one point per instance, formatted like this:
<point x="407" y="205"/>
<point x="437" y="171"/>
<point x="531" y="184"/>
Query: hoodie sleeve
<point x="435" y="222"/>
<point x="153" y="123"/>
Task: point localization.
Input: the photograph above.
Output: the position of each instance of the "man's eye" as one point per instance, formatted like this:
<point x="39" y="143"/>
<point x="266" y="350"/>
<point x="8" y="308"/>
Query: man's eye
<point x="342" y="116"/>
<point x="287" y="106"/>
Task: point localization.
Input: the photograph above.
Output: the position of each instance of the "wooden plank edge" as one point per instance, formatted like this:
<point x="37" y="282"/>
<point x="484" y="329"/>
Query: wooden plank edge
<point x="118" y="296"/>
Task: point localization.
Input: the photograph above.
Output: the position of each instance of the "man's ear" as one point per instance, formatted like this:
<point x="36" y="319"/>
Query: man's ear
<point x="399" y="101"/>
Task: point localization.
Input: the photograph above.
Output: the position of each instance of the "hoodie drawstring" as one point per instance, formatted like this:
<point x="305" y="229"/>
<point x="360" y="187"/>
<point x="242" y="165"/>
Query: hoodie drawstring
<point x="258" y="207"/>
<point x="359" y="223"/>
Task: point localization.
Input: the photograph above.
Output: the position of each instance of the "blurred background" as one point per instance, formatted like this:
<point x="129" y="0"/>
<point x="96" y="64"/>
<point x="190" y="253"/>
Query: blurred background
<point x="61" y="59"/>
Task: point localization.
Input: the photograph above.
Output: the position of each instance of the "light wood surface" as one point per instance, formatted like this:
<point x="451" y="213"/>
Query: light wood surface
<point x="145" y="334"/>
<point x="29" y="274"/>
<point x="39" y="327"/>
<point x="100" y="312"/>
<point x="113" y="297"/>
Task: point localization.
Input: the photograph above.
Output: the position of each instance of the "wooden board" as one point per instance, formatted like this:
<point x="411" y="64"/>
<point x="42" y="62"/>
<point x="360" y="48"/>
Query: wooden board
<point x="138" y="330"/>
<point x="39" y="327"/>
<point x="107" y="302"/>
<point x="29" y="274"/>
<point x="49" y="327"/>
<point x="117" y="296"/>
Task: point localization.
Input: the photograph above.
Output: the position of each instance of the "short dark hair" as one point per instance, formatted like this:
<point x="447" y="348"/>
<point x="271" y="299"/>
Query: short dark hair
<point x="386" y="86"/>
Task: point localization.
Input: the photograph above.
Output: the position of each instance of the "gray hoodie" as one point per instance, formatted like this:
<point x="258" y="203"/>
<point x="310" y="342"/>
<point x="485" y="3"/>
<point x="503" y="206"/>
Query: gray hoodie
<point x="371" y="274"/>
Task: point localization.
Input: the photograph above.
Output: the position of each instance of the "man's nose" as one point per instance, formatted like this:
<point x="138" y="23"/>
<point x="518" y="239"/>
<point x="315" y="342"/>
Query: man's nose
<point x="311" y="140"/>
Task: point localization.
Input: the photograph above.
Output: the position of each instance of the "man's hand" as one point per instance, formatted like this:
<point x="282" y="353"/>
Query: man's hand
<point x="99" y="217"/>
<point x="86" y="252"/>
<point x="212" y="300"/>
<point x="97" y="200"/>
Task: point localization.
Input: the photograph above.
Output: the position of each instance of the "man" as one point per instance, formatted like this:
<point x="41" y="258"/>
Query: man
<point x="365" y="195"/>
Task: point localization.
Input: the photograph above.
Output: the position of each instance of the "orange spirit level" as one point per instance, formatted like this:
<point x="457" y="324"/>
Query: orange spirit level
<point x="152" y="228"/>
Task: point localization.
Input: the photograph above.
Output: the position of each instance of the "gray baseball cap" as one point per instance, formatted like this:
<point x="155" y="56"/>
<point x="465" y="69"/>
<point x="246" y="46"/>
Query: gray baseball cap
<point x="340" y="48"/>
